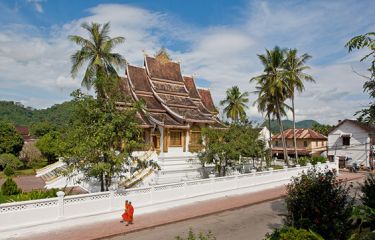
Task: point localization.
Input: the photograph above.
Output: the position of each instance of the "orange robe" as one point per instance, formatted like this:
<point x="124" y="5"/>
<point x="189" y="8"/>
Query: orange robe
<point x="125" y="215"/>
<point x="131" y="212"/>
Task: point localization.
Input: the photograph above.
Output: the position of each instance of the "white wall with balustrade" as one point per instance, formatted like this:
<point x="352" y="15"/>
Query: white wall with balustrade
<point x="146" y="199"/>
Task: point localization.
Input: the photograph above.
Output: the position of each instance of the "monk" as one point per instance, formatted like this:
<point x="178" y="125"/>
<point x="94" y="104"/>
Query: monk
<point x="131" y="213"/>
<point x="125" y="215"/>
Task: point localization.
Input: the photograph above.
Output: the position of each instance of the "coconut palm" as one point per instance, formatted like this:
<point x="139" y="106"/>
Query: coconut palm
<point x="273" y="86"/>
<point x="295" y="78"/>
<point x="235" y="104"/>
<point x="97" y="52"/>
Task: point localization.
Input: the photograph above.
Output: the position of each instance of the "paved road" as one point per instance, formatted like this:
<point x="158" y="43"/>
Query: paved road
<point x="251" y="222"/>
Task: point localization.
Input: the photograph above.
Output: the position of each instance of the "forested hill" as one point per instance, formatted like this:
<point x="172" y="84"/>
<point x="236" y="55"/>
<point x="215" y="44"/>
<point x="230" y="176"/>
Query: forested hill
<point x="289" y="124"/>
<point x="16" y="113"/>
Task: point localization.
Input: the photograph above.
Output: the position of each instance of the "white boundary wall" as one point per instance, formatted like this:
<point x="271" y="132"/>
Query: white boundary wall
<point x="146" y="199"/>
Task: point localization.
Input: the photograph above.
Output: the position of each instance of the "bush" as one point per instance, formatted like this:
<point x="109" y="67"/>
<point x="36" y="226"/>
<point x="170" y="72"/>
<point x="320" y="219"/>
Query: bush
<point x="8" y="171"/>
<point x="34" y="194"/>
<point x="303" y="161"/>
<point x="200" y="236"/>
<point x="10" y="187"/>
<point x="291" y="233"/>
<point x="319" y="202"/>
<point x="316" y="159"/>
<point x="368" y="190"/>
<point x="31" y="155"/>
<point x="7" y="159"/>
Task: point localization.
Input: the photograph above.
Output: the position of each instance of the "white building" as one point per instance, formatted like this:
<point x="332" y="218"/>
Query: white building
<point x="351" y="141"/>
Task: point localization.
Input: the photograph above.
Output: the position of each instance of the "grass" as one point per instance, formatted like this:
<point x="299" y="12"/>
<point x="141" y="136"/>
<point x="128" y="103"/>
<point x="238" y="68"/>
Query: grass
<point x="23" y="172"/>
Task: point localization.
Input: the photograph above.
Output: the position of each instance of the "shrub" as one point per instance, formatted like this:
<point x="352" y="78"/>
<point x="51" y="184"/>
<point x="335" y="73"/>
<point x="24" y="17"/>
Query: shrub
<point x="368" y="190"/>
<point x="303" y="161"/>
<point x="316" y="159"/>
<point x="291" y="233"/>
<point x="31" y="155"/>
<point x="319" y="202"/>
<point x="34" y="194"/>
<point x="8" y="171"/>
<point x="10" y="187"/>
<point x="7" y="159"/>
<point x="200" y="236"/>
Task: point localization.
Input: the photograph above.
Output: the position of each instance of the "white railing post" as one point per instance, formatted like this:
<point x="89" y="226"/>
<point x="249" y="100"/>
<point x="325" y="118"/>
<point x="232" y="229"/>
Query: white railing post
<point x="60" y="203"/>
<point x="152" y="194"/>
<point x="111" y="197"/>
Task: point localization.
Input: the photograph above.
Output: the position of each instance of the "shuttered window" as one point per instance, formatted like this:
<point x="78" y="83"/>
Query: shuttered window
<point x="195" y="138"/>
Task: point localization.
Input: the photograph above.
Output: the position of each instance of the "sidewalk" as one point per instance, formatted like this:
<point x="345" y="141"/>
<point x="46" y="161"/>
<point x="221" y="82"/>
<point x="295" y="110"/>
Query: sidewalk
<point x="112" y="227"/>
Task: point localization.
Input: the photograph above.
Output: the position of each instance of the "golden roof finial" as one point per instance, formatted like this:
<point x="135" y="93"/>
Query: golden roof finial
<point x="162" y="56"/>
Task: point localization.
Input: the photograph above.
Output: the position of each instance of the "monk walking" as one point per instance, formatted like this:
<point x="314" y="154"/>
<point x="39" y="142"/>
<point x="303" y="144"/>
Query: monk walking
<point x="131" y="213"/>
<point x="125" y="215"/>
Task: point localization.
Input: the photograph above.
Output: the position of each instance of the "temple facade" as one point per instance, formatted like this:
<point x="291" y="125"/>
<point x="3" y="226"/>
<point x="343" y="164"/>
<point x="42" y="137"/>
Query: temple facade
<point x="175" y="109"/>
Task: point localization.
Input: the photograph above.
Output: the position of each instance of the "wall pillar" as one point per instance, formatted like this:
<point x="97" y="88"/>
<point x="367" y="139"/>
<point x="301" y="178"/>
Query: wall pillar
<point x="60" y="203"/>
<point x="165" y="139"/>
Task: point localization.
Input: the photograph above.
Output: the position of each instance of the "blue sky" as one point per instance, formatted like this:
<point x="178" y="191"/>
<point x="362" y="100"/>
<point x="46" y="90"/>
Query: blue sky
<point x="216" y="41"/>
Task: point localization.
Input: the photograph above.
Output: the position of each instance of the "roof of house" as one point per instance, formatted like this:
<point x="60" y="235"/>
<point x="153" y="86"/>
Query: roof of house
<point x="370" y="128"/>
<point x="301" y="133"/>
<point x="170" y="99"/>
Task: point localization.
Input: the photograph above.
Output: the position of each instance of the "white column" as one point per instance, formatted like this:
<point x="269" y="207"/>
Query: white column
<point x="161" y="130"/>
<point x="187" y="140"/>
<point x="60" y="203"/>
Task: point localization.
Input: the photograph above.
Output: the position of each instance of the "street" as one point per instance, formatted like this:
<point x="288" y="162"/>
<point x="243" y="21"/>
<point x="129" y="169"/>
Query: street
<point x="251" y="222"/>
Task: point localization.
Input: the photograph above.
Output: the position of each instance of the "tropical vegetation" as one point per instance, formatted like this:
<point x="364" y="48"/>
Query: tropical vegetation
<point x="10" y="140"/>
<point x="235" y="104"/>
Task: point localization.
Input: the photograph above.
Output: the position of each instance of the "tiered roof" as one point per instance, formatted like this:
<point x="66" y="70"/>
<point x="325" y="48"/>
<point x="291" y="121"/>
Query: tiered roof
<point x="171" y="100"/>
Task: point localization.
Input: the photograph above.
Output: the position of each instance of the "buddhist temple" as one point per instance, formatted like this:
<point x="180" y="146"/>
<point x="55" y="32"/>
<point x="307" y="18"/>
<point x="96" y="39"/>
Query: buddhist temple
<point x="175" y="109"/>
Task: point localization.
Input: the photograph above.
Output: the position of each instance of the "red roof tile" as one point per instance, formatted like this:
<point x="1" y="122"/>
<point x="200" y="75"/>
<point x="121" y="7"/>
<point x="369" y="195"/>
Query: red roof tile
<point x="206" y="98"/>
<point x="301" y="133"/>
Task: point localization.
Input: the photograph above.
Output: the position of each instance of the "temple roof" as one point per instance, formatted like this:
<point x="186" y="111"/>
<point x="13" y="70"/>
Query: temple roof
<point x="206" y="97"/>
<point x="170" y="100"/>
<point x="163" y="70"/>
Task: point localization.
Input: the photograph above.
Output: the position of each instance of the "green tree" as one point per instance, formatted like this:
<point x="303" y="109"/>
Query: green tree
<point x="102" y="63"/>
<point x="295" y="77"/>
<point x="10" y="187"/>
<point x="8" y="159"/>
<point x="366" y="41"/>
<point x="235" y="104"/>
<point x="10" y="140"/>
<point x="223" y="148"/>
<point x="272" y="84"/>
<point x="40" y="129"/>
<point x="101" y="139"/>
<point x="320" y="202"/>
<point x="322" y="128"/>
<point x="291" y="233"/>
<point x="51" y="146"/>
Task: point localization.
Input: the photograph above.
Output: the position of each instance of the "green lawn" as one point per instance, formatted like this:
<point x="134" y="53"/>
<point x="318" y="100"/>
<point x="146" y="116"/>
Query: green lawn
<point x="23" y="172"/>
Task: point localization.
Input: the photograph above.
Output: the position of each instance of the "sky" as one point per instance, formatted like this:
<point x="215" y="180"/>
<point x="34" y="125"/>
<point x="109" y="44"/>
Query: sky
<point x="216" y="41"/>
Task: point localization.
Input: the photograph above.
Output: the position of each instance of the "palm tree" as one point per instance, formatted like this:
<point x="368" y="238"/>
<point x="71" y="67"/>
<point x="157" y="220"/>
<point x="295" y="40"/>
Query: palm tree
<point x="273" y="86"/>
<point x="97" y="52"/>
<point x="295" y="77"/>
<point x="235" y="104"/>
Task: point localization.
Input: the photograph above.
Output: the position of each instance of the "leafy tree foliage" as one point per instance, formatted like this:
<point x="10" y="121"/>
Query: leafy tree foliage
<point x="368" y="189"/>
<point x="97" y="52"/>
<point x="7" y="159"/>
<point x="291" y="233"/>
<point x="31" y="156"/>
<point x="223" y="148"/>
<point x="322" y="128"/>
<point x="41" y="128"/>
<point x="51" y="146"/>
<point x="235" y="104"/>
<point x="9" y="171"/>
<point x="318" y="201"/>
<point x="10" y="187"/>
<point x="366" y="41"/>
<point x="101" y="139"/>
<point x="10" y="140"/>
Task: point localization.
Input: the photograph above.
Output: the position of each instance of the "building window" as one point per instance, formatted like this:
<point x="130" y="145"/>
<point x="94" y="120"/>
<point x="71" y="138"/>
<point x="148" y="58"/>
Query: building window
<point x="346" y="141"/>
<point x="305" y="143"/>
<point x="277" y="143"/>
<point x="317" y="143"/>
<point x="175" y="138"/>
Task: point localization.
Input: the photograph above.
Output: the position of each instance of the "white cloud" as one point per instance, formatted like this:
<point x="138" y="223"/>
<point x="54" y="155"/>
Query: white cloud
<point x="37" y="5"/>
<point x="223" y="55"/>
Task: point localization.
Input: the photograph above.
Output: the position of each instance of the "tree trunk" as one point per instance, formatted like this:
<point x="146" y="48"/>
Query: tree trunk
<point x="282" y="133"/>
<point x="102" y="182"/>
<point x="270" y="136"/>
<point x="294" y="130"/>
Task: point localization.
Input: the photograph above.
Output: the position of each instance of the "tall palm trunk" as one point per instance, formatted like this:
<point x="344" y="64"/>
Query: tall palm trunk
<point x="270" y="135"/>
<point x="282" y="132"/>
<point x="294" y="130"/>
